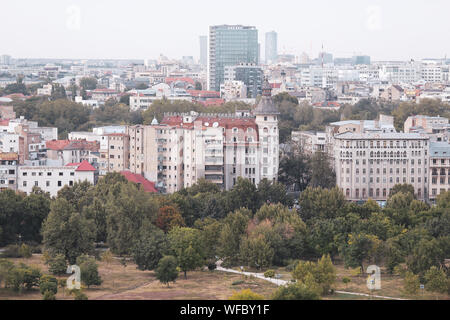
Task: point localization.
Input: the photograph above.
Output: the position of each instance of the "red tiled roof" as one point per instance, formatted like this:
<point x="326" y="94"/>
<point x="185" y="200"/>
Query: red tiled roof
<point x="227" y="123"/>
<point x="184" y="79"/>
<point x="275" y="85"/>
<point x="136" y="178"/>
<point x="56" y="144"/>
<point x="212" y="102"/>
<point x="83" y="166"/>
<point x="204" y="93"/>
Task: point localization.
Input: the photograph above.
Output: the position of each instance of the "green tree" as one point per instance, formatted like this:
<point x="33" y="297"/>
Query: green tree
<point x="167" y="270"/>
<point x="322" y="171"/>
<point x="295" y="171"/>
<point x="187" y="247"/>
<point x="255" y="251"/>
<point x="57" y="265"/>
<point x="234" y="227"/>
<point x="88" y="83"/>
<point x="411" y="283"/>
<point x="48" y="284"/>
<point x="149" y="247"/>
<point x="89" y="271"/>
<point x="436" y="280"/>
<point x="67" y="232"/>
<point x="295" y="291"/>
<point x="127" y="208"/>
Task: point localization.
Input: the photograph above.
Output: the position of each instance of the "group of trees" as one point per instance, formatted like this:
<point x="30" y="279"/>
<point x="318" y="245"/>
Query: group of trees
<point x="247" y="225"/>
<point x="299" y="170"/>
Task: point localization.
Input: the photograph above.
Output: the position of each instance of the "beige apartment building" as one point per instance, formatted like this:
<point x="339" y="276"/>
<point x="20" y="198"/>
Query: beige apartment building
<point x="369" y="165"/>
<point x="114" y="152"/>
<point x="185" y="147"/>
<point x="439" y="168"/>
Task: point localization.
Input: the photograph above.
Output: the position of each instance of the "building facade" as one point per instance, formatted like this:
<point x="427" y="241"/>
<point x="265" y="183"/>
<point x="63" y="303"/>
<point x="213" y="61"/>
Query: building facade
<point x="230" y="45"/>
<point x="369" y="165"/>
<point x="271" y="47"/>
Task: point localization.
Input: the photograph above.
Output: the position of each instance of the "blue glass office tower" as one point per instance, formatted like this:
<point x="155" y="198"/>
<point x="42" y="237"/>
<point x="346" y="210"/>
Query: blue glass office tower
<point x="230" y="45"/>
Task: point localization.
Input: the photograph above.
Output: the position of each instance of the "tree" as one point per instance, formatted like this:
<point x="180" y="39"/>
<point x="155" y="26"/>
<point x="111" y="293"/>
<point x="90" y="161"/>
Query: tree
<point x="404" y="188"/>
<point x="167" y="270"/>
<point x="295" y="291"/>
<point x="48" y="284"/>
<point x="359" y="247"/>
<point x="187" y="247"/>
<point x="322" y="273"/>
<point x="169" y="217"/>
<point x="234" y="227"/>
<point x="57" y="265"/>
<point x="48" y="295"/>
<point x="426" y="254"/>
<point x="88" y="83"/>
<point x="128" y="208"/>
<point x="149" y="248"/>
<point x="67" y="232"/>
<point x="255" y="251"/>
<point x="243" y="195"/>
<point x="322" y="171"/>
<point x="246" y="294"/>
<point x="295" y="172"/>
<point x="272" y="192"/>
<point x="411" y="283"/>
<point x="322" y="203"/>
<point x="436" y="280"/>
<point x="89" y="271"/>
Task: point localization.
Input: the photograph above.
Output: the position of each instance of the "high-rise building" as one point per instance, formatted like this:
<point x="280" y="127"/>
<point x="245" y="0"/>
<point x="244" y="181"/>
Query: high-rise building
<point x="271" y="47"/>
<point x="203" y="50"/>
<point x="230" y="45"/>
<point x="5" y="60"/>
<point x="250" y="74"/>
<point x="356" y="60"/>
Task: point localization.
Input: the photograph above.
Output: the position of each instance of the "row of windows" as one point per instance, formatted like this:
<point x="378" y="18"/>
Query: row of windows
<point x="47" y="183"/>
<point x="49" y="174"/>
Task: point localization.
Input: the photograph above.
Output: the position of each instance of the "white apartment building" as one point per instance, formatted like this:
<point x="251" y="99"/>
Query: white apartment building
<point x="143" y="99"/>
<point x="369" y="165"/>
<point x="52" y="179"/>
<point x="310" y="142"/>
<point x="230" y="90"/>
<point x="46" y="90"/>
<point x="401" y="73"/>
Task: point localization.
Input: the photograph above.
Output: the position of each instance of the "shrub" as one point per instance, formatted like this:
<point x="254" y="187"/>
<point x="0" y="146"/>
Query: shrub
<point x="346" y="280"/>
<point x="89" y="271"/>
<point x="246" y="294"/>
<point x="48" y="295"/>
<point x="269" y="274"/>
<point x="411" y="283"/>
<point x="11" y="251"/>
<point x="295" y="291"/>
<point x="48" y="284"/>
<point x="25" y="251"/>
<point x="212" y="265"/>
<point x="79" y="295"/>
<point x="238" y="282"/>
<point x="57" y="265"/>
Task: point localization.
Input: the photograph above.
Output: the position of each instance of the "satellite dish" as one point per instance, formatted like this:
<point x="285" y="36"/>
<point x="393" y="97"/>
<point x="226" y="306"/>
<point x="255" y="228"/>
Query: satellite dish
<point x="215" y="124"/>
<point x="206" y="124"/>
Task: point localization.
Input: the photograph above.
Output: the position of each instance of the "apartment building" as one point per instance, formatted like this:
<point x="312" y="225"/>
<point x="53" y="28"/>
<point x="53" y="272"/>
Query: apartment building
<point x="438" y="128"/>
<point x="8" y="170"/>
<point x="369" y="164"/>
<point x="114" y="152"/>
<point x="439" y="168"/>
<point x="310" y="142"/>
<point x="185" y="147"/>
<point x="62" y="152"/>
<point x="52" y="179"/>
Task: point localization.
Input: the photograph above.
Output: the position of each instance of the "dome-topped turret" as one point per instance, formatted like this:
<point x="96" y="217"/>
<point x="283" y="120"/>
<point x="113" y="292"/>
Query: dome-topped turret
<point x="266" y="105"/>
<point x="154" y="122"/>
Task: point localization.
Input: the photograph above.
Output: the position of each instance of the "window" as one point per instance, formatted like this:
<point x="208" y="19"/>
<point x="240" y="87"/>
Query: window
<point x="59" y="183"/>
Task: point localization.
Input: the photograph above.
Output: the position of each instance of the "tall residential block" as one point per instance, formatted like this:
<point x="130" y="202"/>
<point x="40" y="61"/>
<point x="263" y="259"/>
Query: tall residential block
<point x="271" y="47"/>
<point x="203" y="50"/>
<point x="230" y="45"/>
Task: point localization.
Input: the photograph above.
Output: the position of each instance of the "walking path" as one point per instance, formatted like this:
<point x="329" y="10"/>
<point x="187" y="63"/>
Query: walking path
<point x="280" y="282"/>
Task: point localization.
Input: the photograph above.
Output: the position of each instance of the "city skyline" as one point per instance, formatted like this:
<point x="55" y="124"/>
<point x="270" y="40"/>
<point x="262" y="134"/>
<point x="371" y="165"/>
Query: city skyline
<point x="86" y="30"/>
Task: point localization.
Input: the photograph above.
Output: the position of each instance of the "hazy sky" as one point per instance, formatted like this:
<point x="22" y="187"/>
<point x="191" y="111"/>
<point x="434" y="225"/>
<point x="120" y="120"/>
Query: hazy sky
<point x="138" y="29"/>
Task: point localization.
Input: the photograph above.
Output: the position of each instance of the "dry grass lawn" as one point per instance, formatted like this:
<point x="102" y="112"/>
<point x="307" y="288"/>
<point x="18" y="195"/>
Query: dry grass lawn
<point x="129" y="283"/>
